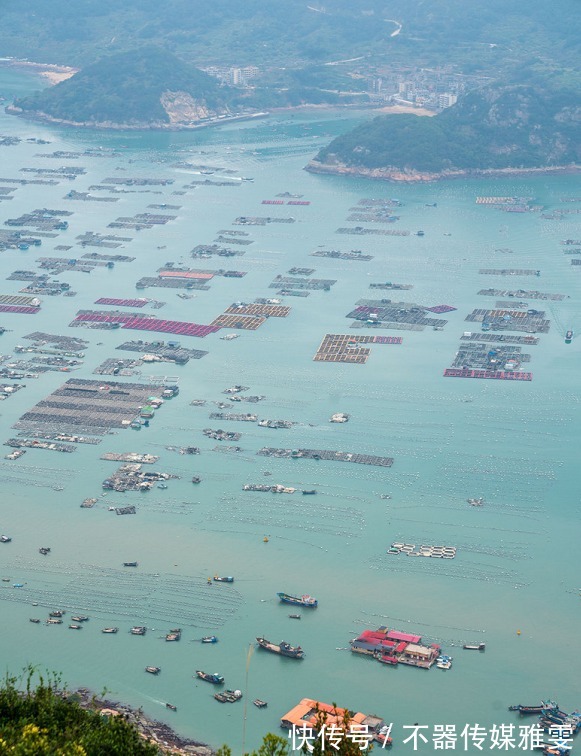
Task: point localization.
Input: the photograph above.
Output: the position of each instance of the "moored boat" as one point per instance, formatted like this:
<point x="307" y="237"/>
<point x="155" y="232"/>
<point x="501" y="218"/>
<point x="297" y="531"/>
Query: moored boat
<point x="283" y="648"/>
<point x="174" y="635"/>
<point x="79" y="618"/>
<point x="138" y="630"/>
<point x="259" y="703"/>
<point x="75" y="627"/>
<point x="569" y="336"/>
<point x="214" y="678"/>
<point x="305" y="600"/>
<point x="130" y="564"/>
<point x="294" y="616"/>
<point x="542" y="708"/>
<point x="153" y="670"/>
<point x="110" y="630"/>
<point x="474" y="646"/>
<point x="35" y="620"/>
<point x="228" y="696"/>
<point x="171" y="706"/>
<point x="209" y="639"/>
<point x="219" y="579"/>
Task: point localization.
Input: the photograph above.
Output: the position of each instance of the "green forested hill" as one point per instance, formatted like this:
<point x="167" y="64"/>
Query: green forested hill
<point x="528" y="125"/>
<point x="229" y="32"/>
<point x="127" y="88"/>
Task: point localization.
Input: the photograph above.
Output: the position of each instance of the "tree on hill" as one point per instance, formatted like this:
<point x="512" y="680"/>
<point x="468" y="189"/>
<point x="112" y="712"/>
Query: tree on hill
<point x="40" y="720"/>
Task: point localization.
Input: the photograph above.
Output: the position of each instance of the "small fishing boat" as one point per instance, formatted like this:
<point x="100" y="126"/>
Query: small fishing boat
<point x="33" y="619"/>
<point x="474" y="646"/>
<point x="209" y="639"/>
<point x="130" y="564"/>
<point x="214" y="678"/>
<point x="171" y="706"/>
<point x="219" y="579"/>
<point x="79" y="618"/>
<point x="444" y="662"/>
<point x="138" y="630"/>
<point x="153" y="670"/>
<point x="56" y="613"/>
<point x="283" y="648"/>
<point x="305" y="600"/>
<point x="569" y="336"/>
<point x="228" y="696"/>
<point x="294" y="616"/>
<point x="5" y="539"/>
<point x="54" y="621"/>
<point x="75" y="627"/>
<point x="542" y="708"/>
<point x="196" y="479"/>
<point x="110" y="630"/>
<point x="174" y="635"/>
<point x="260" y="703"/>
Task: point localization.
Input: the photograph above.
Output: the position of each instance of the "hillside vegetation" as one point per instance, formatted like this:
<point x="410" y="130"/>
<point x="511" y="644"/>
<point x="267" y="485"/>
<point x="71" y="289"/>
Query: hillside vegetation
<point x="433" y="32"/>
<point x="131" y="88"/>
<point x="528" y="125"/>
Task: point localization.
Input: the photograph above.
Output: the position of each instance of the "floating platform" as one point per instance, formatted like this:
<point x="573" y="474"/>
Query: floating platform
<point x="244" y="322"/>
<point x="81" y="403"/>
<point x="360" y="231"/>
<point x="439" y="309"/>
<point x="19" y="309"/>
<point x="270" y="310"/>
<point x="511" y="320"/>
<point x="122" y="302"/>
<point x="325" y="454"/>
<point x="337" y="255"/>
<point x="509" y="272"/>
<point x="145" y="323"/>
<point x="14" y="299"/>
<point x="501" y="375"/>
<point x="349" y="348"/>
<point x="500" y="337"/>
<point x="521" y="294"/>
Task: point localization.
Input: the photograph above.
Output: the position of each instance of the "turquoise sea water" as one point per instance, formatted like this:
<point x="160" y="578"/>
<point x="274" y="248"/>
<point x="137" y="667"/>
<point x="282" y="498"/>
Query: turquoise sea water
<point x="515" y="444"/>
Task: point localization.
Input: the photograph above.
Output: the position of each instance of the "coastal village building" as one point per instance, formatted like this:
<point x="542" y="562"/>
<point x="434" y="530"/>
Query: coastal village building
<point x="307" y="715"/>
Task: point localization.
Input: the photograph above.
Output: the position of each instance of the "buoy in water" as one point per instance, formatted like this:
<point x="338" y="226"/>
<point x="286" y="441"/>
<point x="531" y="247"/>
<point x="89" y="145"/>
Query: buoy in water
<point x="518" y="632"/>
<point x="265" y="539"/>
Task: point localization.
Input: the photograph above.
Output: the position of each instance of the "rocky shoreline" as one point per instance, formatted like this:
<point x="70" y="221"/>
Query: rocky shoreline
<point x="419" y="177"/>
<point x="155" y="732"/>
<point x="112" y="126"/>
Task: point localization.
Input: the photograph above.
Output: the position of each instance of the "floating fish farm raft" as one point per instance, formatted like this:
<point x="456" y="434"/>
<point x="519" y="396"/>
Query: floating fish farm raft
<point x="510" y="320"/>
<point x="244" y="322"/>
<point x="502" y="375"/>
<point x="270" y="310"/>
<point x="122" y="302"/>
<point x="88" y="404"/>
<point x="164" y="351"/>
<point x="142" y="323"/>
<point x="360" y="231"/>
<point x="508" y="272"/>
<point x="62" y="342"/>
<point x="347" y="347"/>
<point x="325" y="454"/>
<point x="385" y="314"/>
<point x="354" y="254"/>
<point x="500" y="337"/>
<point x="520" y="293"/>
<point x="286" y="282"/>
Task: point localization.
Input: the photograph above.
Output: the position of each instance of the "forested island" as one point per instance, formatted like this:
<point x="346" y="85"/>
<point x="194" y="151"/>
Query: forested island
<point x="145" y="88"/>
<point x="533" y="125"/>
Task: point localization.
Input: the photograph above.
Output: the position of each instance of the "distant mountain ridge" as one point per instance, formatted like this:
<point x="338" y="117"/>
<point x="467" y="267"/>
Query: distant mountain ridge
<point x="146" y="88"/>
<point x="534" y="125"/>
